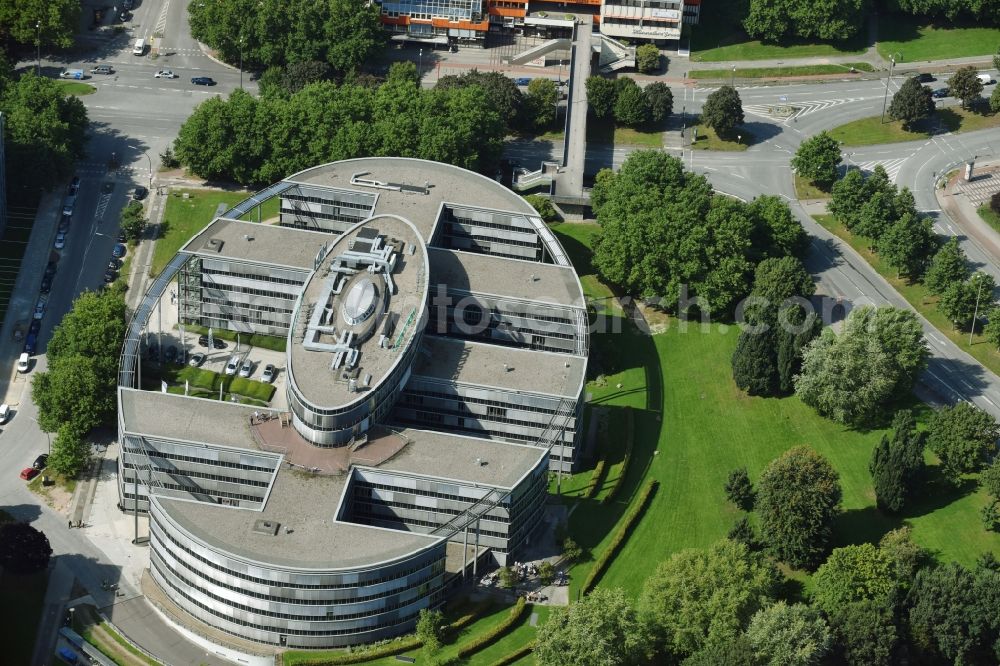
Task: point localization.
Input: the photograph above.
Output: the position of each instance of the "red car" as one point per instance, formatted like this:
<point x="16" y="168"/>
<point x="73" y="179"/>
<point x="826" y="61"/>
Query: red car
<point x="28" y="473"/>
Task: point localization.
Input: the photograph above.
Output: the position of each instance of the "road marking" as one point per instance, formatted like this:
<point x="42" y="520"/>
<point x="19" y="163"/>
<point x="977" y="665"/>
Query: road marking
<point x="102" y="205"/>
<point x="803" y="108"/>
<point x="891" y="167"/>
<point x="161" y="22"/>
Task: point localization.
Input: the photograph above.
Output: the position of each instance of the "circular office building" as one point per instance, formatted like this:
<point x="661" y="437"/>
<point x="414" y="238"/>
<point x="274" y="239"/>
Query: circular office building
<point x="429" y="343"/>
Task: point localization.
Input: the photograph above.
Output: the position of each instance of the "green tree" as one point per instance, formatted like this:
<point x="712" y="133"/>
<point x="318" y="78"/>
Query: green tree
<point x="959" y="300"/>
<point x="59" y="19"/>
<point x="133" y="221"/>
<point x="501" y="91"/>
<point x="647" y="58"/>
<point x="771" y="20"/>
<point x="754" y="361"/>
<point x="852" y="574"/>
<point x="94" y="327"/>
<point x="897" y="464"/>
<point x="995" y="100"/>
<point x="963" y="437"/>
<point x="429" y="630"/>
<point x="866" y="632"/>
<point x="775" y="282"/>
<point x="817" y="158"/>
<point x="848" y="196"/>
<point x="907" y="245"/>
<point x="70" y="451"/>
<point x="992" y="328"/>
<point x="71" y="390"/>
<point x="659" y="101"/>
<point x="948" y="266"/>
<point x="508" y="578"/>
<point x="989" y="480"/>
<point x="912" y="102"/>
<point x="743" y="532"/>
<point x="965" y="85"/>
<point x="571" y="551"/>
<point x="739" y="489"/>
<point x="631" y="108"/>
<point x="723" y="110"/>
<point x="546" y="572"/>
<point x="544" y="207"/>
<point x="798" y="498"/>
<point x="735" y="652"/>
<point x="601" y="96"/>
<point x="23" y="549"/>
<point x="877" y="357"/>
<point x="875" y="216"/>
<point x="906" y="556"/>
<point x="540" y="102"/>
<point x="601" y="629"/>
<point x="951" y="615"/>
<point x="775" y="219"/>
<point x="706" y="596"/>
<point x="789" y="635"/>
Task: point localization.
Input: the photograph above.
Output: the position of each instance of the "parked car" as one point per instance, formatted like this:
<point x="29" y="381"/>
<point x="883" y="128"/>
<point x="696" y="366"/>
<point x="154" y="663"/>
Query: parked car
<point x="121" y="237"/>
<point x="41" y="462"/>
<point x="46" y="285"/>
<point x="196" y="360"/>
<point x="170" y="355"/>
<point x="30" y="342"/>
<point x="986" y="79"/>
<point x="247" y="368"/>
<point x="940" y="93"/>
<point x="233" y="365"/>
<point x="269" y="373"/>
<point x="39" y="309"/>
<point x="924" y="77"/>
<point x="23" y="362"/>
<point x="35" y="327"/>
<point x="4" y="413"/>
<point x="202" y="81"/>
<point x="74" y="186"/>
<point x="217" y="343"/>
<point x="110" y="276"/>
<point x="114" y="264"/>
<point x="28" y="473"/>
<point x="522" y="81"/>
<point x="119" y="251"/>
<point x="139" y="193"/>
<point x="50" y="269"/>
<point x="60" y="241"/>
<point x="164" y="74"/>
<point x="64" y="223"/>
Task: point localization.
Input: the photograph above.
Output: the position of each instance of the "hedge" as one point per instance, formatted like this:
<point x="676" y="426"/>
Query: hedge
<point x="272" y="342"/>
<point x="618" y="540"/>
<point x="629" y="436"/>
<point x="515" y="615"/>
<point x="211" y="381"/>
<point x="514" y="656"/>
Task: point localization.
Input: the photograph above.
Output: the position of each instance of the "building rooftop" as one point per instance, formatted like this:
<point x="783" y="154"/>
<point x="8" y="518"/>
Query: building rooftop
<point x="445" y="184"/>
<point x="315" y="339"/>
<point x="482" y="364"/>
<point x="176" y="417"/>
<point x="307" y="505"/>
<point x="262" y="243"/>
<point x="455" y="457"/>
<point x="511" y="278"/>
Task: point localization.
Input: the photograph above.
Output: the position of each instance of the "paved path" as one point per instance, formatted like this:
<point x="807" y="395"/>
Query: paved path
<point x="570" y="181"/>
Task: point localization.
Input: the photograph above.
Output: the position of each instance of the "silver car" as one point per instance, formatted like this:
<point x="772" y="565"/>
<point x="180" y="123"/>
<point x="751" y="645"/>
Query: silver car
<point x="247" y="368"/>
<point x="233" y="365"/>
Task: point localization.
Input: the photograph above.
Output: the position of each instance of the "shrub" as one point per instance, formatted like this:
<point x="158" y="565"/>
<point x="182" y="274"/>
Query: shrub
<point x="517" y="655"/>
<point x="995" y="201"/>
<point x="618" y="540"/>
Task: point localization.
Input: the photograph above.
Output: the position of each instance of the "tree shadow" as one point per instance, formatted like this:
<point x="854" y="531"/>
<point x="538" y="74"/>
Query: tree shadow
<point x="756" y="132"/>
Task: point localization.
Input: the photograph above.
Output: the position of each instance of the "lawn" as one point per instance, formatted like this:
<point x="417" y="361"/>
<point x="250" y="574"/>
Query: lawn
<point x="990" y="217"/>
<point x="779" y="72"/>
<point x="184" y="218"/>
<point x="872" y="131"/>
<point x="806" y="189"/>
<point x="605" y="131"/>
<point x="720" y="37"/>
<point x="919" y="298"/>
<point x="21" y="601"/>
<point x="916" y="40"/>
<point x="693" y="426"/>
<point x="708" y="139"/>
<point x="76" y="88"/>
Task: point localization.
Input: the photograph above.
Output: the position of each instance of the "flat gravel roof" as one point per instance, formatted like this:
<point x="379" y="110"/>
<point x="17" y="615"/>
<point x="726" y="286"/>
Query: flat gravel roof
<point x="307" y="504"/>
<point x="499" y="276"/>
<point x="185" y="418"/>
<point x="480" y="364"/>
<point x="446" y="184"/>
<point x="267" y="243"/>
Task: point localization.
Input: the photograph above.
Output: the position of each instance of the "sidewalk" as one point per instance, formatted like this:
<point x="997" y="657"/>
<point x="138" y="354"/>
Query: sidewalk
<point x="959" y="200"/>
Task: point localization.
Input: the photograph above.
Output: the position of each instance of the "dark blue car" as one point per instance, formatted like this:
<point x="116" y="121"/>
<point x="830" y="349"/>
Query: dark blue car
<point x="523" y="81"/>
<point x="119" y="251"/>
<point x="30" y="343"/>
<point x="202" y="81"/>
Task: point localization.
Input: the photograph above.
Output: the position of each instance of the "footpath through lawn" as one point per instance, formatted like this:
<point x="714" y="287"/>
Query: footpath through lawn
<point x="693" y="426"/>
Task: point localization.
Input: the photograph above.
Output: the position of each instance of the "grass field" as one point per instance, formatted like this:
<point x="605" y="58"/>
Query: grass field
<point x="76" y="88"/>
<point x="708" y="139"/>
<point x="805" y="189"/>
<point x="693" y="426"/>
<point x="990" y="217"/>
<point x="778" y="72"/>
<point x="917" y="40"/>
<point x="919" y="298"/>
<point x="605" y="131"/>
<point x="872" y="131"/>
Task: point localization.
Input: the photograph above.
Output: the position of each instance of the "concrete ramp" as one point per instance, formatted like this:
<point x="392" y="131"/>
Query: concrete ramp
<point x="540" y="51"/>
<point x="614" y="55"/>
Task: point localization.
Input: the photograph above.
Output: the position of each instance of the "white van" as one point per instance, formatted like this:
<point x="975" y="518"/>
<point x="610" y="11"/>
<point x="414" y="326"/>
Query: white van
<point x="985" y="78"/>
<point x="140" y="47"/>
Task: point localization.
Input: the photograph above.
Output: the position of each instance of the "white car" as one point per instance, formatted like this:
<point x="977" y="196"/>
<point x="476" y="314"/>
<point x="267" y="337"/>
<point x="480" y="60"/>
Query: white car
<point x="269" y="373"/>
<point x="4" y="413"/>
<point x="247" y="368"/>
<point x="233" y="365"/>
<point x="23" y="362"/>
<point x="165" y="74"/>
<point x="60" y="241"/>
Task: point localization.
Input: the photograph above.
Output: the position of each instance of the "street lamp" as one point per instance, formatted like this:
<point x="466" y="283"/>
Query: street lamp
<point x="734" y="77"/>
<point x="38" y="47"/>
<point x="241" y="81"/>
<point x="420" y="64"/>
<point x="885" y="96"/>
<point x="975" y="316"/>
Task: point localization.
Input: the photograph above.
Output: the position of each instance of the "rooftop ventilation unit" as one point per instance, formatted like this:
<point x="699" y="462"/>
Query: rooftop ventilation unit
<point x="266" y="527"/>
<point x="214" y="244"/>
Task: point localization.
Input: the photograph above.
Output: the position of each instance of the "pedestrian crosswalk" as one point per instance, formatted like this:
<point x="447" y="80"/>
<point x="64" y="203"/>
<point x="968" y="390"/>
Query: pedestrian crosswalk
<point x="891" y="167"/>
<point x="788" y="111"/>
